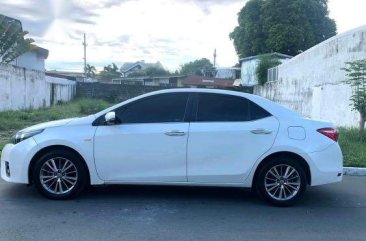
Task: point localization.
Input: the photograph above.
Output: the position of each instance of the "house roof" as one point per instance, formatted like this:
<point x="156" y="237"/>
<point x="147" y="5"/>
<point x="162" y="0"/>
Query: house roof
<point x="278" y="55"/>
<point x="201" y="81"/>
<point x="130" y="65"/>
<point x="42" y="52"/>
<point x="65" y="74"/>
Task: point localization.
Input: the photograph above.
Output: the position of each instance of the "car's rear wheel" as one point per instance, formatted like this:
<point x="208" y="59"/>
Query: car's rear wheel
<point x="60" y="174"/>
<point x="282" y="181"/>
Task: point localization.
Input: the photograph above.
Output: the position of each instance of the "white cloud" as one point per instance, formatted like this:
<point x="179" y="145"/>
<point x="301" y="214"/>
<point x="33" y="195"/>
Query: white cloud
<point x="173" y="32"/>
<point x="348" y="14"/>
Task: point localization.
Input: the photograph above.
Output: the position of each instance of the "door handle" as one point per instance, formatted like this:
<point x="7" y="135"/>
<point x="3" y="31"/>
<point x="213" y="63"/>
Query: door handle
<point x="261" y="131"/>
<point x="175" y="133"/>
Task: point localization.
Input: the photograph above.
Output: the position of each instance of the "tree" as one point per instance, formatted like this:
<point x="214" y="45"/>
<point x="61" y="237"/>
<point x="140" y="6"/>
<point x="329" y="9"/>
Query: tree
<point x="90" y="71"/>
<point x="285" y="26"/>
<point x="196" y="67"/>
<point x="110" y="72"/>
<point x="12" y="42"/>
<point x="266" y="62"/>
<point x="356" y="78"/>
<point x="150" y="71"/>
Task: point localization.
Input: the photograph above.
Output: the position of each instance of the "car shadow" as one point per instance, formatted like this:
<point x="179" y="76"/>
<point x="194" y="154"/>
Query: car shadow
<point x="314" y="197"/>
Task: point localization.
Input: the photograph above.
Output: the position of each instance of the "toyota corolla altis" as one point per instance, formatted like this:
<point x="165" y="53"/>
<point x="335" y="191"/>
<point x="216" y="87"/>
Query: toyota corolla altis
<point x="179" y="137"/>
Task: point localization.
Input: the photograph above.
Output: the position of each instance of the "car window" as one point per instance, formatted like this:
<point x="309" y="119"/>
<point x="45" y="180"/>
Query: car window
<point x="160" y="108"/>
<point x="256" y="112"/>
<point x="223" y="108"/>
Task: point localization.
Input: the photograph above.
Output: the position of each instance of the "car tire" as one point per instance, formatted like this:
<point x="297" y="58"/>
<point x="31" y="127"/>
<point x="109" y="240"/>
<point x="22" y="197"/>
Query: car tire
<point x="282" y="181"/>
<point x="60" y="174"/>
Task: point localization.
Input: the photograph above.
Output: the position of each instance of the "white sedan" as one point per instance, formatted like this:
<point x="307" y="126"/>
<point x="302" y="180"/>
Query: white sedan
<point x="194" y="137"/>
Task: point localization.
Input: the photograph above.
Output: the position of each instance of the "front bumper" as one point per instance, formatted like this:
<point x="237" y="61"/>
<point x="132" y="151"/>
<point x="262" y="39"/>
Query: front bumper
<point x="326" y="165"/>
<point x="15" y="160"/>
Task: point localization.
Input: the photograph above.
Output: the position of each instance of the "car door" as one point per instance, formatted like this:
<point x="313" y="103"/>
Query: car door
<point x="228" y="135"/>
<point x="148" y="145"/>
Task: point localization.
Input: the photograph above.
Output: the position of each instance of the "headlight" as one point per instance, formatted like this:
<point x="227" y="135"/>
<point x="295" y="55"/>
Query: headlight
<point x="21" y="136"/>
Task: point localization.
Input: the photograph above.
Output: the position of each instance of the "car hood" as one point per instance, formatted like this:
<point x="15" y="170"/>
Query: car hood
<point x="48" y="124"/>
<point x="57" y="123"/>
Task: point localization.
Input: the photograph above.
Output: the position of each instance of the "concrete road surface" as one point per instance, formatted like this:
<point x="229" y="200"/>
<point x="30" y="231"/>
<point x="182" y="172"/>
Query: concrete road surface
<point x="333" y="212"/>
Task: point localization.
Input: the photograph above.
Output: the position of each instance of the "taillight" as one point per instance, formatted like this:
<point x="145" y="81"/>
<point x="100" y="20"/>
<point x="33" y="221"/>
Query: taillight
<point x="332" y="133"/>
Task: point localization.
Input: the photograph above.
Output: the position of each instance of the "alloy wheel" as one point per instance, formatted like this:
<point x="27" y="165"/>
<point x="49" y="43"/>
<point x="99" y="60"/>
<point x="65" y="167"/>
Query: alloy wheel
<point x="282" y="182"/>
<point x="58" y="175"/>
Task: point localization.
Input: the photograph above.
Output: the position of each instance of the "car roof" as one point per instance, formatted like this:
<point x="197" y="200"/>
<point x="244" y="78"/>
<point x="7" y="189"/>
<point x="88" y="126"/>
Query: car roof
<point x="273" y="108"/>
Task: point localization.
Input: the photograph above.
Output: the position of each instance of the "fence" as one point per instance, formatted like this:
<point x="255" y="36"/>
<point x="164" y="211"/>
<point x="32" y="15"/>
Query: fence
<point x="22" y="88"/>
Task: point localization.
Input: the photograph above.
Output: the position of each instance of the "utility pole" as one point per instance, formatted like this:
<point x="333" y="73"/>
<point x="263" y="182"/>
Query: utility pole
<point x="84" y="44"/>
<point x="214" y="62"/>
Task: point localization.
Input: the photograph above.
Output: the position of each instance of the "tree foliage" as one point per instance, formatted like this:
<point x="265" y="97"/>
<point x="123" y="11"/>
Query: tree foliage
<point x="12" y="41"/>
<point x="356" y="78"/>
<point x="196" y="67"/>
<point x="266" y="62"/>
<point x="285" y="26"/>
<point x="110" y="72"/>
<point x="151" y="72"/>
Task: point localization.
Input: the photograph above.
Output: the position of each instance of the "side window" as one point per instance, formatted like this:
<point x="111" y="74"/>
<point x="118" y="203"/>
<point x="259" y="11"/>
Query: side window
<point x="155" y="109"/>
<point x="226" y="108"/>
<point x="218" y="107"/>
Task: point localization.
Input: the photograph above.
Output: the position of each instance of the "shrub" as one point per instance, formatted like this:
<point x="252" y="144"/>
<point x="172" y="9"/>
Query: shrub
<point x="266" y="62"/>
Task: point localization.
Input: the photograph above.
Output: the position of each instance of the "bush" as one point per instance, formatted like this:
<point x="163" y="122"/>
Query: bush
<point x="265" y="62"/>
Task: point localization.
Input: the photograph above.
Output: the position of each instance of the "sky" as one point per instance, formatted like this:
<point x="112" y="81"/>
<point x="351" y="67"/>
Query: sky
<point x="170" y="31"/>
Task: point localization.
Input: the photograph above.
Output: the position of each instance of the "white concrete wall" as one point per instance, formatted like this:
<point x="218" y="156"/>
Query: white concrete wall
<point x="311" y="82"/>
<point x="22" y="88"/>
<point x="248" y="72"/>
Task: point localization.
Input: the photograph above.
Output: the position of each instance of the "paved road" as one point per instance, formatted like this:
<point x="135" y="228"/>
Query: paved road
<point x="333" y="212"/>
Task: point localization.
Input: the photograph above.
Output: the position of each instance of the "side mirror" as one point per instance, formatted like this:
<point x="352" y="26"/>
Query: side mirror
<point x="110" y="118"/>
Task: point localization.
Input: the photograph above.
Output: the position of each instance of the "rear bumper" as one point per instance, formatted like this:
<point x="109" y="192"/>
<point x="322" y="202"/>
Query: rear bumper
<point x="326" y="165"/>
<point x="15" y="160"/>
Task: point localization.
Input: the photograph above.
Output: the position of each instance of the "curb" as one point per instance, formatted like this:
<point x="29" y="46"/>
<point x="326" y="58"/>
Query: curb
<point x="354" y="171"/>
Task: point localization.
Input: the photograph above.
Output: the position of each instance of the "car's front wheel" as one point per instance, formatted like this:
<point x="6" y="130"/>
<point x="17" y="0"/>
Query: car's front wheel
<point x="60" y="174"/>
<point x="282" y="181"/>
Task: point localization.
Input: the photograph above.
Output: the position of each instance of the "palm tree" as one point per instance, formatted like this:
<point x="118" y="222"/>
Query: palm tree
<point x="110" y="72"/>
<point x="90" y="71"/>
<point x="12" y="42"/>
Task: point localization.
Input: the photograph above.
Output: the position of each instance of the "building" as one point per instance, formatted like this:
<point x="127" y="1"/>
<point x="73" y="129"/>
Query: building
<point x="196" y="81"/>
<point x="169" y="80"/>
<point x="33" y="59"/>
<point x="227" y="73"/>
<point x="128" y="68"/>
<point x="249" y="67"/>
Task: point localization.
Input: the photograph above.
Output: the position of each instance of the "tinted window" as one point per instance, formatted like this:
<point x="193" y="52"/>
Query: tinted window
<point x="217" y="107"/>
<point x="256" y="112"/>
<point x="155" y="109"/>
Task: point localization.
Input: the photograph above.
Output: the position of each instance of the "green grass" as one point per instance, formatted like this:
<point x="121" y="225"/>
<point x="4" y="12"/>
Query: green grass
<point x="12" y="121"/>
<point x="352" y="142"/>
<point x="353" y="145"/>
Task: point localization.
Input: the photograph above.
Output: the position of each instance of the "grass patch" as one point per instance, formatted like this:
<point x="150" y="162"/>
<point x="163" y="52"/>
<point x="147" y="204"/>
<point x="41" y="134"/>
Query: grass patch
<point x="12" y="121"/>
<point x="353" y="145"/>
